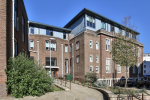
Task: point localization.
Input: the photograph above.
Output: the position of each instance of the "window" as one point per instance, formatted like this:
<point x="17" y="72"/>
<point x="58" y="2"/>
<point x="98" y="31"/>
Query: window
<point x="66" y="47"/>
<point x="103" y="25"/>
<point x="77" y="45"/>
<point x="134" y="69"/>
<point x="97" y="60"/>
<point x="139" y="68"/>
<point x="97" y="69"/>
<point x="111" y="28"/>
<point x="31" y="44"/>
<point x="144" y="61"/>
<point x="91" y="44"/>
<point x="120" y="31"/>
<point x="107" y="44"/>
<point x="91" y="69"/>
<point x="90" y="21"/>
<point x="139" y="52"/>
<point x="49" y="32"/>
<point x="64" y="35"/>
<point x="91" y="58"/>
<point x="78" y="59"/>
<point x="96" y="45"/>
<point x="53" y="45"/>
<point x="107" y="65"/>
<point x="53" y="61"/>
<point x="133" y="36"/>
<point x="16" y="19"/>
<point x="70" y="47"/>
<point x="144" y="66"/>
<point x="31" y="58"/>
<point x="16" y="48"/>
<point x="32" y="30"/>
<point x="23" y="29"/>
<point x="118" y="68"/>
<point x="127" y="34"/>
<point x="144" y="71"/>
<point x="66" y="66"/>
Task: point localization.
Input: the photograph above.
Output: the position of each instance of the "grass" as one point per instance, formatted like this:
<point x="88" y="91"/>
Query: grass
<point x="57" y="88"/>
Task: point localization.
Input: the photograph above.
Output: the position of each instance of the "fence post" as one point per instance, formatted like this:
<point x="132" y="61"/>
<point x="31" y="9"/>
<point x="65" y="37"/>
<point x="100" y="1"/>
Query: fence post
<point x="61" y="81"/>
<point x="70" y="84"/>
<point x="90" y="83"/>
<point x="132" y="97"/>
<point x="142" y="96"/>
<point x="119" y="94"/>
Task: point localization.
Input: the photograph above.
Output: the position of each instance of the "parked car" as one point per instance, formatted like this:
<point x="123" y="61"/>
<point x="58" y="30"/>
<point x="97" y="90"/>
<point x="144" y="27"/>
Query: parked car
<point x="130" y="82"/>
<point x="140" y="83"/>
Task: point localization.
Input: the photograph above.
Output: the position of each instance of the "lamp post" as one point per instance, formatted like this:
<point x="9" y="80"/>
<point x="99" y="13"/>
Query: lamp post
<point x="50" y="52"/>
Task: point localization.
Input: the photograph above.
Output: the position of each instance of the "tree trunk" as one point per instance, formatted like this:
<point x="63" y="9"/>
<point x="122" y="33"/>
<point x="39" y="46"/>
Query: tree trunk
<point x="126" y="79"/>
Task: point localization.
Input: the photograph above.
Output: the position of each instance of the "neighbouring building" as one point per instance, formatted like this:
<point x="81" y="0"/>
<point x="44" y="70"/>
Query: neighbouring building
<point x="146" y="65"/>
<point x="82" y="46"/>
<point x="13" y="35"/>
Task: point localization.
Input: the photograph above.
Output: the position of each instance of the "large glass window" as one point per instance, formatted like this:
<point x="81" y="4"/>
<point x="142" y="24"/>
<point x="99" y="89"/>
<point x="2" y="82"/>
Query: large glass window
<point x="32" y="30"/>
<point x="90" y="21"/>
<point x="66" y="66"/>
<point x="107" y="44"/>
<point x="97" y="69"/>
<point x="53" y="45"/>
<point x="91" y="69"/>
<point x="97" y="60"/>
<point x="31" y="44"/>
<point x="112" y="28"/>
<point x="91" y="58"/>
<point x="53" y="61"/>
<point x="107" y="65"/>
<point x="49" y="32"/>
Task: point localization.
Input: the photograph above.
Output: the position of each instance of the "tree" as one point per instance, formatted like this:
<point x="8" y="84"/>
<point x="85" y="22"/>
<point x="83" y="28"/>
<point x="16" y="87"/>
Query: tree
<point x="124" y="48"/>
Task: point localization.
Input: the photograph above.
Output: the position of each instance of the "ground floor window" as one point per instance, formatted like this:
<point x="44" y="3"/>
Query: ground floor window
<point x="53" y="61"/>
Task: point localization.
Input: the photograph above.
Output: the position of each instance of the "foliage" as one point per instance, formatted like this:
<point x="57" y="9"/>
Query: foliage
<point x="91" y="76"/>
<point x="57" y="89"/>
<point x="101" y="84"/>
<point x="25" y="77"/>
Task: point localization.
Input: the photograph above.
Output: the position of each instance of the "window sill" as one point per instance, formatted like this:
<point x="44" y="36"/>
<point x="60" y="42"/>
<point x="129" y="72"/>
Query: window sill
<point x="107" y="50"/>
<point x="77" y="49"/>
<point x="107" y="72"/>
<point x="118" y="72"/>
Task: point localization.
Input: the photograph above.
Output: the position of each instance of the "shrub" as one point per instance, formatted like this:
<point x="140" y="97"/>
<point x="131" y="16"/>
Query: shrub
<point x="25" y="77"/>
<point x="91" y="76"/>
<point x="101" y="84"/>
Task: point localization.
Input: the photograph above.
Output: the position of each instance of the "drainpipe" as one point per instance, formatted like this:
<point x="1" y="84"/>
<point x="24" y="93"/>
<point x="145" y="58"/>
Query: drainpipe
<point x="62" y="59"/>
<point x="13" y="29"/>
<point x="73" y="62"/>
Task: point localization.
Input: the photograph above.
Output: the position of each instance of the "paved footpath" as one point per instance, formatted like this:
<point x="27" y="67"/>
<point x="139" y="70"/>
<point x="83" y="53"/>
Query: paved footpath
<point x="77" y="92"/>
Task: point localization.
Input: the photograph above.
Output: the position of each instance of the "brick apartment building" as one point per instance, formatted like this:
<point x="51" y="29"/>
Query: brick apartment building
<point x="13" y="35"/>
<point x="85" y="48"/>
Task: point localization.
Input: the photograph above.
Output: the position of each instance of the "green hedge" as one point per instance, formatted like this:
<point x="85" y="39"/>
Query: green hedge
<point x="25" y="77"/>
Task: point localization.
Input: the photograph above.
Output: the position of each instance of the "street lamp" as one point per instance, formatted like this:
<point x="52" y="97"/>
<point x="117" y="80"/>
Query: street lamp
<point x="50" y="52"/>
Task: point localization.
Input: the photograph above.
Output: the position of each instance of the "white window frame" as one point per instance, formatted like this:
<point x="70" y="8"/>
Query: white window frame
<point x="30" y="43"/>
<point x="133" y="68"/>
<point x="91" y="45"/>
<point x="107" y="44"/>
<point x="53" y="45"/>
<point x="97" y="47"/>
<point x="107" y="65"/>
<point x="77" y="45"/>
<point x="91" y="60"/>
<point x="66" y="48"/>
<point x="98" y="69"/>
<point x="92" y="69"/>
<point x="118" y="70"/>
<point x="97" y="59"/>
<point x="78" y="59"/>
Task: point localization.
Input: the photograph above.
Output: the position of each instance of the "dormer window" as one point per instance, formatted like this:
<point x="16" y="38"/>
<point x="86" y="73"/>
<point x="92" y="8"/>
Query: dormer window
<point x="103" y="25"/>
<point x="49" y="32"/>
<point x="112" y="28"/>
<point x="90" y="21"/>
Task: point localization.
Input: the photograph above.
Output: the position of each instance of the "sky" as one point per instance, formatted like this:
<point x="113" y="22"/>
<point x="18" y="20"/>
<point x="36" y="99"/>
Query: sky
<point x="60" y="12"/>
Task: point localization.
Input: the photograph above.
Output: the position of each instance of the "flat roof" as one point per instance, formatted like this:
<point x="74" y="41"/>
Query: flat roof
<point x="54" y="28"/>
<point x="96" y="15"/>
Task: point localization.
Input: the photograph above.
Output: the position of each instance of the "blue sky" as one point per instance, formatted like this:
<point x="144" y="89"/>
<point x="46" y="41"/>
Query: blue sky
<point x="60" y="12"/>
